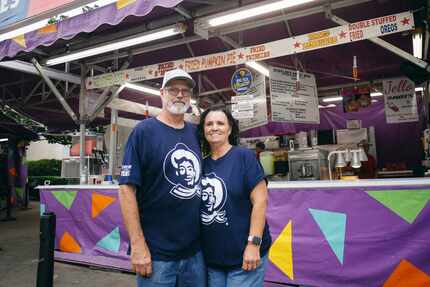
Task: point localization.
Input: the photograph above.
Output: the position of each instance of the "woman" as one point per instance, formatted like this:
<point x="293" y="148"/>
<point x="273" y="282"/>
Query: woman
<point x="235" y="235"/>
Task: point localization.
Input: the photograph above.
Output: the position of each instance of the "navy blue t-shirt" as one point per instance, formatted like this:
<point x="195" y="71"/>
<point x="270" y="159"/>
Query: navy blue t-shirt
<point x="164" y="164"/>
<point x="226" y="208"/>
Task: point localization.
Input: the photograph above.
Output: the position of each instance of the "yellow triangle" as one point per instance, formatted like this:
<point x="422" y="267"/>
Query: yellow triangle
<point x="123" y="3"/>
<point x="20" y="40"/>
<point x="99" y="203"/>
<point x="281" y="252"/>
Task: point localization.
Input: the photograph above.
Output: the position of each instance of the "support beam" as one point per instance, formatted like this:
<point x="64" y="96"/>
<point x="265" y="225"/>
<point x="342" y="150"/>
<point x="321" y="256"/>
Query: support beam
<point x="184" y="12"/>
<point x="26" y="67"/>
<point x="102" y="100"/>
<point x="31" y="94"/>
<point x="115" y="93"/>
<point x="389" y="47"/>
<point x="55" y="91"/>
<point x="113" y="140"/>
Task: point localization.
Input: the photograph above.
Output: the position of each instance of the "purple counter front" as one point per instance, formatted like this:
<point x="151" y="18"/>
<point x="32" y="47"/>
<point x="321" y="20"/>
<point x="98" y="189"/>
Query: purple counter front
<point x="90" y="229"/>
<point x="361" y="233"/>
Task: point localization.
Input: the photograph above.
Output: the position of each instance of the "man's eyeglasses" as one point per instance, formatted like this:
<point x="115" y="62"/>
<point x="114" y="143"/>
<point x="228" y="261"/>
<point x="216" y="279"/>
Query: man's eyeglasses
<point x="175" y="91"/>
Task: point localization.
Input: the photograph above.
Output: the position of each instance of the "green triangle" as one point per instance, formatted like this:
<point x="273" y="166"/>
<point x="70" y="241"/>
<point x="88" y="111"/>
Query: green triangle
<point x="66" y="198"/>
<point x="406" y="203"/>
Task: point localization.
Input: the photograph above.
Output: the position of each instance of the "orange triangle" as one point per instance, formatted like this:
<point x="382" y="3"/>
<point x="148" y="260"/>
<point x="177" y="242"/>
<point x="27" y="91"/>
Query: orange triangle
<point x="51" y="28"/>
<point x="100" y="202"/>
<point x="69" y="244"/>
<point x="407" y="275"/>
<point x="20" y="40"/>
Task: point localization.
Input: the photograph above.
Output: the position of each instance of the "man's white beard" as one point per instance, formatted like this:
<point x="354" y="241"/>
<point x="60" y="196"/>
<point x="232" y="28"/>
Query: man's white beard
<point x="177" y="108"/>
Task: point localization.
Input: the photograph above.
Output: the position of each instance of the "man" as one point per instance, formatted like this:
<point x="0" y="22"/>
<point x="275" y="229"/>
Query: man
<point x="160" y="211"/>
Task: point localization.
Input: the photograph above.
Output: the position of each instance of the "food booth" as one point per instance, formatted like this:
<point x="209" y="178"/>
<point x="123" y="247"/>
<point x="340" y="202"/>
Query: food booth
<point x="325" y="96"/>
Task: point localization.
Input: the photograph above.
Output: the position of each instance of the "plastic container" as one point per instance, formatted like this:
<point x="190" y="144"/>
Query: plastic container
<point x="267" y="161"/>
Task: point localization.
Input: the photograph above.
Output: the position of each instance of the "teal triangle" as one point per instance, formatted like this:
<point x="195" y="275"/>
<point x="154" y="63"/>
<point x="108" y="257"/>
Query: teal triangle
<point x="42" y="209"/>
<point x="333" y="226"/>
<point x="111" y="241"/>
<point x="66" y="198"/>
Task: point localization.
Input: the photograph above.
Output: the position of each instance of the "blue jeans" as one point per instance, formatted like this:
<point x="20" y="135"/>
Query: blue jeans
<point x="237" y="277"/>
<point x="189" y="272"/>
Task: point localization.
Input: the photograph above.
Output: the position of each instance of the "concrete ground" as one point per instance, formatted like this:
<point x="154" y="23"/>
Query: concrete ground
<point x="19" y="252"/>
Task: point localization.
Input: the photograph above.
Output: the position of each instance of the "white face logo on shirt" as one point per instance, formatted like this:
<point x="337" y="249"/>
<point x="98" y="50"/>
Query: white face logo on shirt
<point x="182" y="169"/>
<point x="214" y="197"/>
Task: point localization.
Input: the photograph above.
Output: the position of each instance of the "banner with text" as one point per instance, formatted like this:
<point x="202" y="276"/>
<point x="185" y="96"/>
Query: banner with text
<point x="292" y="102"/>
<point x="400" y="100"/>
<point x="326" y="38"/>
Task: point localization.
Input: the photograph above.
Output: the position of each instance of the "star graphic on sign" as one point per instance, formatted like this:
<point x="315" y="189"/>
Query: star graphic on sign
<point x="126" y="76"/>
<point x="150" y="72"/>
<point x="342" y="34"/>
<point x="181" y="66"/>
<point x="241" y="55"/>
<point x="297" y="45"/>
<point x="405" y="21"/>
<point x="156" y="73"/>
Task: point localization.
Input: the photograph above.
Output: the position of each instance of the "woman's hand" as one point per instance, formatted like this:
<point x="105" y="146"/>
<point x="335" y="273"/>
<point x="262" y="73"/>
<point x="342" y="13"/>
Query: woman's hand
<point x="141" y="258"/>
<point x="251" y="257"/>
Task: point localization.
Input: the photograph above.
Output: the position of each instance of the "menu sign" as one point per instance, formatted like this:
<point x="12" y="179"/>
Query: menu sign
<point x="291" y="102"/>
<point x="251" y="108"/>
<point x="400" y="100"/>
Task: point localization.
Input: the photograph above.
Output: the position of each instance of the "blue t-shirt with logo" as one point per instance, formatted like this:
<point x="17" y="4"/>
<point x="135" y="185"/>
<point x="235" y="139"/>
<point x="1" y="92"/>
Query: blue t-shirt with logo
<point x="164" y="164"/>
<point x="226" y="208"/>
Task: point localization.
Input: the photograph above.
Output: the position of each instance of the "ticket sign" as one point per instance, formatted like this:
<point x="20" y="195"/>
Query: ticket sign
<point x="344" y="34"/>
<point x="291" y="102"/>
<point x="400" y="100"/>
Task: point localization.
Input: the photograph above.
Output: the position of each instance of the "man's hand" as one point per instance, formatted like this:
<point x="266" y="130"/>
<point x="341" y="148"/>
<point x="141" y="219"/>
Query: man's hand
<point x="251" y="257"/>
<point x="141" y="257"/>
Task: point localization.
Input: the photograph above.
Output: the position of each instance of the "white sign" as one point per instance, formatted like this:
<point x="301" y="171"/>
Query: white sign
<point x="252" y="108"/>
<point x="326" y="38"/>
<point x="290" y="104"/>
<point x="400" y="100"/>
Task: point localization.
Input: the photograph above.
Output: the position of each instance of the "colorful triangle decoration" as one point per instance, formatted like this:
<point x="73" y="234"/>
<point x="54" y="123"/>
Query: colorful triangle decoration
<point x="111" y="241"/>
<point x="42" y="209"/>
<point x="51" y="28"/>
<point x="124" y="3"/>
<point x="333" y="226"/>
<point x="407" y="275"/>
<point x="20" y="40"/>
<point x="69" y="244"/>
<point x="99" y="203"/>
<point x="281" y="251"/>
<point x="66" y="198"/>
<point x="405" y="203"/>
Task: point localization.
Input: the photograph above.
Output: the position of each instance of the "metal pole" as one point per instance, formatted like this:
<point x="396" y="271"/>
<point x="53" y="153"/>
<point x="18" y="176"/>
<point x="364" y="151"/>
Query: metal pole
<point x="45" y="268"/>
<point x="113" y="140"/>
<point x="83" y="169"/>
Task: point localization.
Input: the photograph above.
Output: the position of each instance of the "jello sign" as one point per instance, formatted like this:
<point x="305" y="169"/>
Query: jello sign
<point x="398" y="86"/>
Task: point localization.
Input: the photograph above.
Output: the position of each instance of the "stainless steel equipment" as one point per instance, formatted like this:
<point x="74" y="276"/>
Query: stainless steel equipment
<point x="307" y="164"/>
